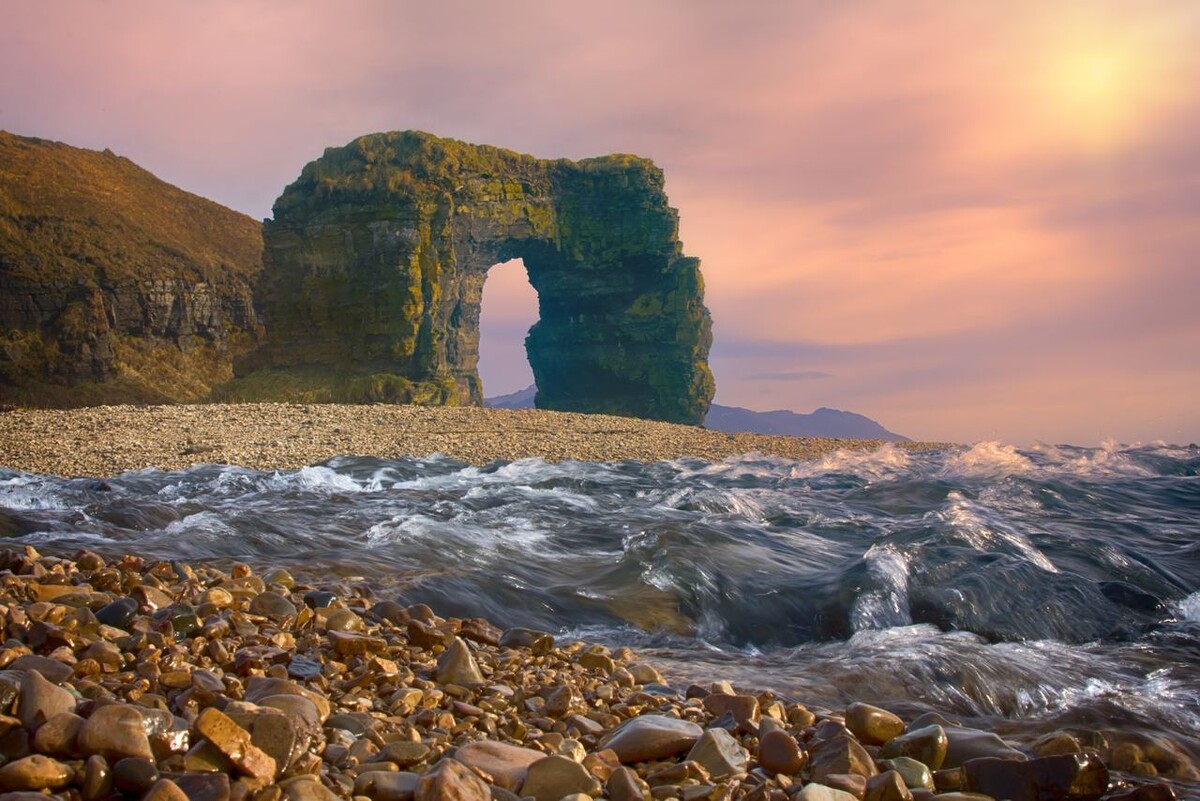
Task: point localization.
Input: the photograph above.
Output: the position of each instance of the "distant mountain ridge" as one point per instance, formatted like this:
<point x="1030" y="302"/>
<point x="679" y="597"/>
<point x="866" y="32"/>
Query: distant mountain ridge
<point x="823" y="422"/>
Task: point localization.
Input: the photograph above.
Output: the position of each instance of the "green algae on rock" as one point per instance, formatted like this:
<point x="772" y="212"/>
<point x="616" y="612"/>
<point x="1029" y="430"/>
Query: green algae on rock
<point x="375" y="261"/>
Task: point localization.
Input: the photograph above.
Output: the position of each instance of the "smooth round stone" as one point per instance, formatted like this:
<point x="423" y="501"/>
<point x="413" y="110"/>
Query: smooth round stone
<point x="308" y="788"/>
<point x="204" y="786"/>
<point x="553" y="777"/>
<point x="887" y="786"/>
<point x="1055" y="743"/>
<point x="457" y="666"/>
<point x="1063" y="776"/>
<point x="562" y="701"/>
<point x="107" y="654"/>
<point x="271" y="604"/>
<point x="97" y="778"/>
<point x="279" y="576"/>
<point x="719" y="752"/>
<point x="303" y="714"/>
<point x="58" y="735"/>
<point x="927" y="744"/>
<point x="301" y="667"/>
<point x="115" y="731"/>
<point x="134" y="774"/>
<point x="51" y="669"/>
<point x="386" y="785"/>
<point x="344" y="620"/>
<point x="260" y="687"/>
<point x="351" y="723"/>
<point x="743" y="708"/>
<point x="645" y="674"/>
<point x="165" y="790"/>
<point x="36" y="772"/>
<point x="218" y="597"/>
<point x="506" y="764"/>
<point x="872" y="725"/>
<point x="778" y="752"/>
<point x="820" y="792"/>
<point x="837" y="756"/>
<point x="652" y="737"/>
<point x="318" y="599"/>
<point x="273" y="733"/>
<point x="39" y="700"/>
<point x="185" y="623"/>
<point x="965" y="744"/>
<point x="916" y="774"/>
<point x="538" y="641"/>
<point x="625" y="785"/>
<point x="852" y="783"/>
<point x="402" y="753"/>
<point x="450" y="780"/>
<point x="118" y="614"/>
<point x="390" y="611"/>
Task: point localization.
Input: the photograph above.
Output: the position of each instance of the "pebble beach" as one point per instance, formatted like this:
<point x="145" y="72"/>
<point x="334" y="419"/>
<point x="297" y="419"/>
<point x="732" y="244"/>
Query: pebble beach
<point x="164" y="682"/>
<point x="106" y="440"/>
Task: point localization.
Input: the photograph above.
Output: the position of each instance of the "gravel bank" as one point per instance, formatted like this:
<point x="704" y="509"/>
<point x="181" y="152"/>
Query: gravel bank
<point x="106" y="440"/>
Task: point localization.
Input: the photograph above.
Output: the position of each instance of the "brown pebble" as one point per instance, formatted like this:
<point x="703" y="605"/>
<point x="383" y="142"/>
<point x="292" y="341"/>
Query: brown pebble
<point x="778" y="752"/>
<point x="887" y="786"/>
<point x="115" y="731"/>
<point x="41" y="700"/>
<point x="625" y="785"/>
<point x="134" y="775"/>
<point x="234" y="742"/>
<point x="450" y="780"/>
<point x="35" y="772"/>
<point x="58" y="736"/>
<point x="872" y="725"/>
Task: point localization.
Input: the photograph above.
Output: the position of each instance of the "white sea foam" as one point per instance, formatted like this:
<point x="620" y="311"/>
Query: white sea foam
<point x="316" y="478"/>
<point x="30" y="492"/>
<point x="885" y="461"/>
<point x="202" y="525"/>
<point x="1189" y="608"/>
<point x="986" y="460"/>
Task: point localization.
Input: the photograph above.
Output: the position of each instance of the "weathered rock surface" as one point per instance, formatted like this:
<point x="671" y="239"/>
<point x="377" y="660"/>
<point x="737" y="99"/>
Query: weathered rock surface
<point x="116" y="286"/>
<point x="376" y="258"/>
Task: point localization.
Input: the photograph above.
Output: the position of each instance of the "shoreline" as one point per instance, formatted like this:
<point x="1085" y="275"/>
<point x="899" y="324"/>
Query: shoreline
<point x="103" y="441"/>
<point x="166" y="682"/>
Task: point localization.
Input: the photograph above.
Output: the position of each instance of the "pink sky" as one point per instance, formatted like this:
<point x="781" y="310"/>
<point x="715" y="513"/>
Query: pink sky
<point x="965" y="220"/>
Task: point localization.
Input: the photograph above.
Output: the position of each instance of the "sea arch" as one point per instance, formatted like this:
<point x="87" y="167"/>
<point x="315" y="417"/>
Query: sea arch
<point x="375" y="261"/>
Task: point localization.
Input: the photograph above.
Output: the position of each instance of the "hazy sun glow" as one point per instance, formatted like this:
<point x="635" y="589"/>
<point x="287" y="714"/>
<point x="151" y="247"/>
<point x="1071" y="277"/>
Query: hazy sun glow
<point x="1099" y="89"/>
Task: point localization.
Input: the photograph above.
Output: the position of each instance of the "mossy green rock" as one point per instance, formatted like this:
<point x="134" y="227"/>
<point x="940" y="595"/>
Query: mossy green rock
<point x="115" y="286"/>
<point x="375" y="261"/>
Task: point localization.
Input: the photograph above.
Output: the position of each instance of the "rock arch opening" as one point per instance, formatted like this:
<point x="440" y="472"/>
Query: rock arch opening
<point x="508" y="310"/>
<point x="375" y="262"/>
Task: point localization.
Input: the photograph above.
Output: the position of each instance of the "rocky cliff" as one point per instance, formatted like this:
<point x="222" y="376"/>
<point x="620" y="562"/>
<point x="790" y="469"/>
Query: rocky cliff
<point x="114" y="285"/>
<point x="375" y="261"/>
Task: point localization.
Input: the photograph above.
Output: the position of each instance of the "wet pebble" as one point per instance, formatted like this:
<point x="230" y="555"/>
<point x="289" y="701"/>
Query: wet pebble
<point x="35" y="772"/>
<point x="134" y="775"/>
<point x="553" y="777"/>
<point x="652" y="737"/>
<point x="115" y="731"/>
<point x="778" y="752"/>
<point x="39" y="700"/>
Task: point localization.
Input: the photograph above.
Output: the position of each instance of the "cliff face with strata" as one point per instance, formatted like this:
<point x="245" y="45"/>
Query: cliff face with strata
<point x="375" y="261"/>
<point x="115" y="286"/>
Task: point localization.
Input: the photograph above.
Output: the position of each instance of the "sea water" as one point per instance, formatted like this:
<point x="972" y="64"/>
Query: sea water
<point x="1021" y="590"/>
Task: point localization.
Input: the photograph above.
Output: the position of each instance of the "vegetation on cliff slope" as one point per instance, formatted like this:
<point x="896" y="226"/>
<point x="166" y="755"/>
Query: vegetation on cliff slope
<point x="115" y="285"/>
